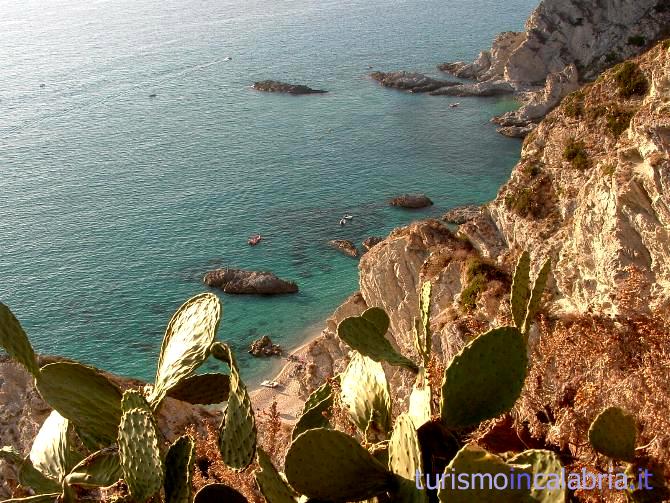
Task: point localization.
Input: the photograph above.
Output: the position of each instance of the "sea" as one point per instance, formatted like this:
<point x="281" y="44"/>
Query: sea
<point x="114" y="202"/>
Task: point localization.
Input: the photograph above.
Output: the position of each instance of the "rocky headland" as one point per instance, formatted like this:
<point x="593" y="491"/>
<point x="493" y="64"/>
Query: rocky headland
<point x="274" y="86"/>
<point x="239" y="281"/>
<point x="565" y="43"/>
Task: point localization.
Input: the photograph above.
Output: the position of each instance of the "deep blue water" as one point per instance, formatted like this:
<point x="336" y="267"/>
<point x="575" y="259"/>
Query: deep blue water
<point x="114" y="204"/>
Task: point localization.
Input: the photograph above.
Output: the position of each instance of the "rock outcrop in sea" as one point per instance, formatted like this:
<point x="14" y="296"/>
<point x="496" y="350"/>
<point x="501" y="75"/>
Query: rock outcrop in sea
<point x="239" y="281"/>
<point x="345" y="246"/>
<point x="265" y="347"/>
<point x="411" y="201"/>
<point x="274" y="86"/>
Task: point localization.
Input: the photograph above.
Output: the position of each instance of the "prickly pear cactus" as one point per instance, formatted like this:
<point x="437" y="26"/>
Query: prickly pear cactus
<point x="536" y="295"/>
<point x="133" y="399"/>
<point x="312" y="416"/>
<point x="484" y="379"/>
<point x="237" y="433"/>
<point x="15" y="341"/>
<point x="475" y="460"/>
<point x="100" y="469"/>
<point x="203" y="389"/>
<point x="545" y="462"/>
<point x="378" y="317"/>
<point x="53" y="452"/>
<point x="272" y="485"/>
<point x="422" y="334"/>
<point x="140" y="454"/>
<point x="218" y="493"/>
<point x="82" y="395"/>
<point x="332" y="466"/>
<point x="187" y="342"/>
<point x="521" y="290"/>
<point x="366" y="338"/>
<point x="420" y="400"/>
<point x="613" y="433"/>
<point x="179" y="466"/>
<point x="405" y="459"/>
<point x="365" y="394"/>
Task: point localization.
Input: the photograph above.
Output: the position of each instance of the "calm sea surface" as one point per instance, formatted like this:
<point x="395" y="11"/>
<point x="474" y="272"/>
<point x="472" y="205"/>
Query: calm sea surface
<point x="113" y="204"/>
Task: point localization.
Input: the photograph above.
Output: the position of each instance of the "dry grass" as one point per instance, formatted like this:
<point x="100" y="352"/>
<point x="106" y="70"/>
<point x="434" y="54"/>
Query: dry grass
<point x="210" y="469"/>
<point x="582" y="365"/>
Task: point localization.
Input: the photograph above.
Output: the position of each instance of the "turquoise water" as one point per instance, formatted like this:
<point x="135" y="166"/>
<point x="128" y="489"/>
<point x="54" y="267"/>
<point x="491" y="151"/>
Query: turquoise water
<point x="114" y="204"/>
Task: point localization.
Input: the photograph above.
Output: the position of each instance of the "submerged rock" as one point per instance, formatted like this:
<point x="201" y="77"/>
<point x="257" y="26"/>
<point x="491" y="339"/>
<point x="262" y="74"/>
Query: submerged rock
<point x="239" y="281"/>
<point x="371" y="241"/>
<point x="265" y="347"/>
<point x="413" y="201"/>
<point x="412" y="82"/>
<point x="274" y="86"/>
<point x="345" y="246"/>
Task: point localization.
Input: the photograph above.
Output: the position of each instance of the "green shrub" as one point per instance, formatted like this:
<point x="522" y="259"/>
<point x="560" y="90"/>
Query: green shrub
<point x="611" y="58"/>
<point x="630" y="80"/>
<point x="574" y="105"/>
<point x="478" y="274"/>
<point x="637" y="40"/>
<point x="575" y="153"/>
<point x="608" y="169"/>
<point x="532" y="169"/>
<point x="618" y="121"/>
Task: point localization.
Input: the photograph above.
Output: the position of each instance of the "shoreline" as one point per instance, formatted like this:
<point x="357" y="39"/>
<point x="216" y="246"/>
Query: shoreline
<point x="287" y="394"/>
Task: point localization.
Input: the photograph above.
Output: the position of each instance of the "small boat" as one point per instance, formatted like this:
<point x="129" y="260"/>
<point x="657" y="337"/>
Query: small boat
<point x="343" y="221"/>
<point x="270" y="384"/>
<point x="153" y="95"/>
<point x="227" y="58"/>
<point x="348" y="217"/>
<point x="254" y="240"/>
<point x="454" y="105"/>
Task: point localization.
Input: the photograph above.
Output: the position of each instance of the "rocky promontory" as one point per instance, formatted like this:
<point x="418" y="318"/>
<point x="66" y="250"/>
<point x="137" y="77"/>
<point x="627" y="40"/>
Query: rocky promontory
<point x="239" y="281"/>
<point x="274" y="86"/>
<point x="371" y="241"/>
<point x="411" y="82"/>
<point x="565" y="42"/>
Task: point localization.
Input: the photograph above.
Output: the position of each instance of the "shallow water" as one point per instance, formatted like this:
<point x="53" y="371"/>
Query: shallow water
<point x="113" y="204"/>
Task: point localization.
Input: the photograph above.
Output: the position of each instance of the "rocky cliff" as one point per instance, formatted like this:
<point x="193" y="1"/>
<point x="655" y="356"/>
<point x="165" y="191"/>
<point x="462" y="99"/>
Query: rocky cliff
<point x="591" y="191"/>
<point x="566" y="42"/>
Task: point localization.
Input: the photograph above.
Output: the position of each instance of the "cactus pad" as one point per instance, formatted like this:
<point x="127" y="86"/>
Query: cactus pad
<point x="179" y="466"/>
<point x="378" y="317"/>
<point x="546" y="462"/>
<point x="53" y="452"/>
<point x="186" y="344"/>
<point x="204" y="389"/>
<point x="38" y="498"/>
<point x="15" y="341"/>
<point x="472" y="460"/>
<point x="484" y="379"/>
<point x="82" y="395"/>
<point x="423" y="336"/>
<point x="237" y="433"/>
<point x="29" y="476"/>
<point x="521" y="290"/>
<point x="140" y="455"/>
<point x="365" y="394"/>
<point x="331" y="466"/>
<point x="405" y="459"/>
<point x="100" y="469"/>
<point x="133" y="399"/>
<point x="420" y="400"/>
<point x="364" y="336"/>
<point x="218" y="493"/>
<point x="312" y="416"/>
<point x="613" y="433"/>
<point x="536" y="295"/>
<point x="272" y="485"/>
